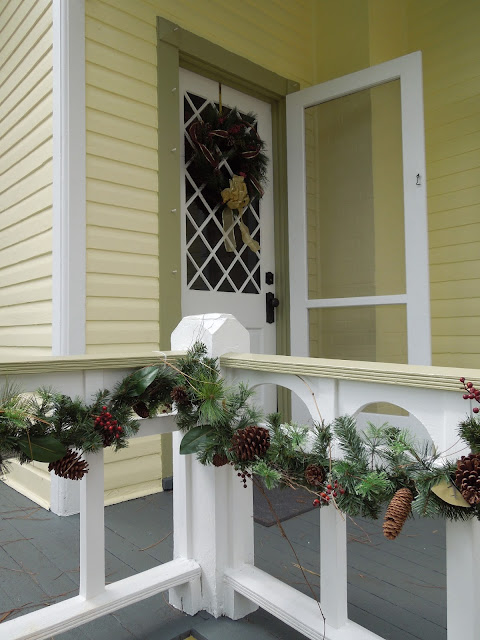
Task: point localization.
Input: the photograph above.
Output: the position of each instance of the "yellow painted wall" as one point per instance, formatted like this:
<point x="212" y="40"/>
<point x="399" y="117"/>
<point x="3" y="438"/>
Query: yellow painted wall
<point x="353" y="34"/>
<point x="121" y="73"/>
<point x="25" y="177"/>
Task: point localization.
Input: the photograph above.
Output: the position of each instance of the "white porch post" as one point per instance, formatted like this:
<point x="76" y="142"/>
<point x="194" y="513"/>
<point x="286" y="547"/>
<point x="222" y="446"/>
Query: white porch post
<point x="69" y="203"/>
<point x="212" y="513"/>
<point x="463" y="580"/>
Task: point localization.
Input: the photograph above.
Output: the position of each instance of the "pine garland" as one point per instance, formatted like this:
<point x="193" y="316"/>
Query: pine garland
<point x="219" y="423"/>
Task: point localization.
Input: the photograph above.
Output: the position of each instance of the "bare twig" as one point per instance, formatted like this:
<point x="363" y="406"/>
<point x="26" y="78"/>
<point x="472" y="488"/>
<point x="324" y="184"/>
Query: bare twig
<point x="282" y="531"/>
<point x="155" y="543"/>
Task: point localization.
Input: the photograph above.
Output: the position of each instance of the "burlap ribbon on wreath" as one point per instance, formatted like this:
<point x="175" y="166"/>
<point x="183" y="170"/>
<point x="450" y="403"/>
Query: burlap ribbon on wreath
<point x="236" y="198"/>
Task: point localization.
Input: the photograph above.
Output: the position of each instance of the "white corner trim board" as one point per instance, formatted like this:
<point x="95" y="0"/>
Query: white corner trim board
<point x="69" y="178"/>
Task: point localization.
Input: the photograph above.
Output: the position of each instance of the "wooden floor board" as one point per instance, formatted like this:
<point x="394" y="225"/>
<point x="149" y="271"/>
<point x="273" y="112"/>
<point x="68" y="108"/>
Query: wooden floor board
<point x="395" y="589"/>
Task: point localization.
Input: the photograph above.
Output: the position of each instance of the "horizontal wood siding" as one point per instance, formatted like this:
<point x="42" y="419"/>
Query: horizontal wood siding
<point x="448" y="38"/>
<point x="123" y="238"/>
<point x="25" y="177"/>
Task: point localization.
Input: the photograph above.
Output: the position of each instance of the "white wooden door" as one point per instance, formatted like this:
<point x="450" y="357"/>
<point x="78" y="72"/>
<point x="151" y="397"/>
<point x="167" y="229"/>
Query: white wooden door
<point x="215" y="280"/>
<point x="346" y="258"/>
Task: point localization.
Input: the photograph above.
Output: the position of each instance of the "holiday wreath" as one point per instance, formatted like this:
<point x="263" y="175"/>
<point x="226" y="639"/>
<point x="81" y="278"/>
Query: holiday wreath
<point x="383" y="465"/>
<point x="230" y="162"/>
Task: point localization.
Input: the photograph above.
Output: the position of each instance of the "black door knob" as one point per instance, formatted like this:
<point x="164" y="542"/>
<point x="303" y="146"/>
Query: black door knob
<point x="271" y="304"/>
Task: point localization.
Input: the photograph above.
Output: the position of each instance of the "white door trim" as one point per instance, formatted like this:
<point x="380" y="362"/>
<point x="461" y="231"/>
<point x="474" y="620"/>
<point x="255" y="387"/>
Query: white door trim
<point x="69" y="178"/>
<point x="408" y="70"/>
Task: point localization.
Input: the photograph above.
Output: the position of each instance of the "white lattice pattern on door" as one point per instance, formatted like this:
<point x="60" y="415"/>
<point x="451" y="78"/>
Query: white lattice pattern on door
<point x="209" y="266"/>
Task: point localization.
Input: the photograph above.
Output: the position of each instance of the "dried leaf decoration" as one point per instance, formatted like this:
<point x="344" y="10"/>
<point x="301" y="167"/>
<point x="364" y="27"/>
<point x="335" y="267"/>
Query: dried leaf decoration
<point x="449" y="493"/>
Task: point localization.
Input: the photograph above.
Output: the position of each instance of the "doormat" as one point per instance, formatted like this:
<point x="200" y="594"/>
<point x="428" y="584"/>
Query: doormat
<point x="287" y="503"/>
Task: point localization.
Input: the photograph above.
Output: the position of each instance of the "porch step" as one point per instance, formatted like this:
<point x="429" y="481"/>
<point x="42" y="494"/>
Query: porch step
<point x="74" y="612"/>
<point x="290" y="606"/>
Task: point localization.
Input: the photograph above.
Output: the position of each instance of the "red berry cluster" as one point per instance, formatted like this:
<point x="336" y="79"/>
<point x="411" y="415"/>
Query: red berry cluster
<point x="243" y="475"/>
<point x="471" y="393"/>
<point x="330" y="491"/>
<point x="108" y="427"/>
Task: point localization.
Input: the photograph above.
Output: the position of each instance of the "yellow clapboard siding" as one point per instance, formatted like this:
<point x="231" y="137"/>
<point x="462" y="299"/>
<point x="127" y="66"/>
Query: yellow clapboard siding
<point x="121" y="263"/>
<point x="456" y="326"/>
<point x="456" y="344"/>
<point x="23" y="292"/>
<point x="126" y="308"/>
<point x="123" y="85"/>
<point x="26" y="228"/>
<point x="30" y="92"/>
<point x="27" y="143"/>
<point x="449" y="184"/>
<point x="127" y="175"/>
<point x="122" y="196"/>
<point x="21" y="351"/>
<point x="456" y="237"/>
<point x="452" y="271"/>
<point x="117" y="127"/>
<point x="452" y="289"/>
<point x="122" y="40"/>
<point x="453" y="217"/>
<point x="450" y="148"/>
<point x="23" y="26"/>
<point x="121" y="348"/>
<point x="454" y="130"/>
<point x="23" y="250"/>
<point x="455" y="200"/>
<point x="40" y="34"/>
<point x="127" y="23"/>
<point x="118" y="62"/>
<point x="36" y="180"/>
<point x="106" y="285"/>
<point x="454" y="164"/>
<point x="38" y="201"/>
<point x="24" y="167"/>
<point x="104" y="215"/>
<point x="31" y="335"/>
<point x="457" y="307"/>
<point x="120" y="106"/>
<point x="126" y="473"/>
<point x="137" y="447"/>
<point x="14" y="77"/>
<point x="122" y="241"/>
<point x="37" y="267"/>
<point x="120" y="151"/>
<point x="121" y="332"/>
<point x="29" y="123"/>
<point x="441" y="114"/>
<point x="462" y="360"/>
<point x="26" y="314"/>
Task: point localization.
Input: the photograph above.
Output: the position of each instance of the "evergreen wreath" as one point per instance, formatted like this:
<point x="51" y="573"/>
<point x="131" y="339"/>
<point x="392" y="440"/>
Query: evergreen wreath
<point x="379" y="466"/>
<point x="230" y="137"/>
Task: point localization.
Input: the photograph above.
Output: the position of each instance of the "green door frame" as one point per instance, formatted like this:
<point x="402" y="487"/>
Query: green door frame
<point x="177" y="47"/>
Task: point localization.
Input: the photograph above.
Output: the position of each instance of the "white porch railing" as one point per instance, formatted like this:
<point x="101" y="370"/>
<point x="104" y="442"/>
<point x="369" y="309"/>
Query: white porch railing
<point x="213" y="567"/>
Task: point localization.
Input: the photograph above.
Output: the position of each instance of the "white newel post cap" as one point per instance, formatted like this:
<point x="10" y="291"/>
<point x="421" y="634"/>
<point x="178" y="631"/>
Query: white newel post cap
<point x="220" y="332"/>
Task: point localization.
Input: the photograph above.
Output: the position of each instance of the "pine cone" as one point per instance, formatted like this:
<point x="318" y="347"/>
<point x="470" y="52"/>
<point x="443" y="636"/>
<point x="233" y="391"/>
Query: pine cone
<point x="141" y="409"/>
<point x="220" y="459"/>
<point x="314" y="474"/>
<point x="71" y="466"/>
<point x="397" y="512"/>
<point x="467" y="477"/>
<point x="180" y="395"/>
<point x="250" y="443"/>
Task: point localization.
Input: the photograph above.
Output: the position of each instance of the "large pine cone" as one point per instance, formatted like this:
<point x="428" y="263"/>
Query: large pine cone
<point x="314" y="475"/>
<point x="397" y="512"/>
<point x="250" y="443"/>
<point x="71" y="466"/>
<point x="467" y="477"/>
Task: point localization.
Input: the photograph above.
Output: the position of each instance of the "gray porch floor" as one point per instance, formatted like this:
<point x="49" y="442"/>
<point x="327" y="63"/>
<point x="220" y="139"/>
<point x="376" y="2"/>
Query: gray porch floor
<point x="396" y="589"/>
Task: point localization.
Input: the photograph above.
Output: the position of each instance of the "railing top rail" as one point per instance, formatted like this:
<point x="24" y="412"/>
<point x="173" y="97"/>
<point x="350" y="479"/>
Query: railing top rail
<point x="410" y="375"/>
<point x="56" y="364"/>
